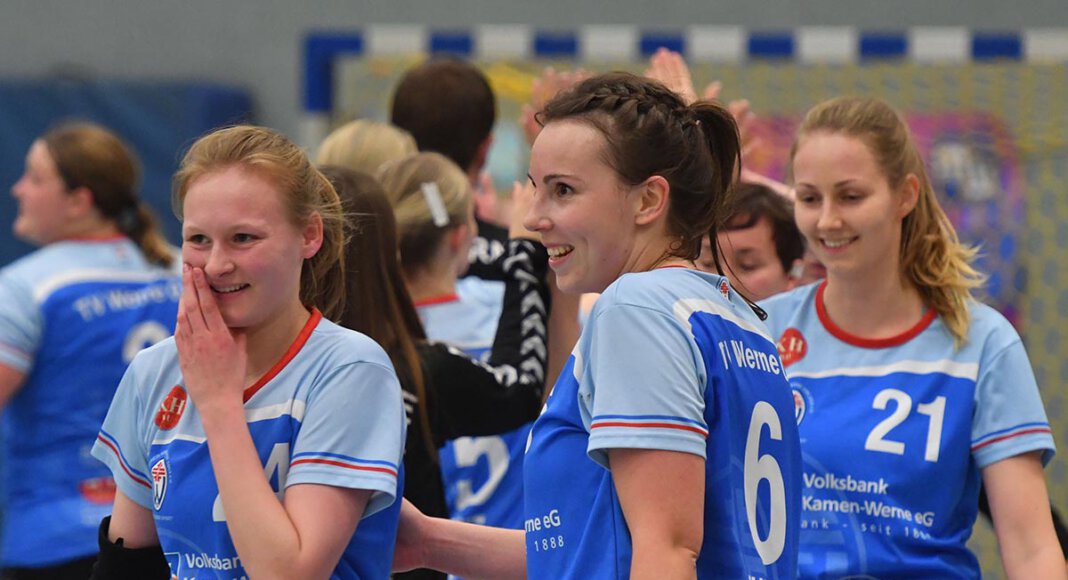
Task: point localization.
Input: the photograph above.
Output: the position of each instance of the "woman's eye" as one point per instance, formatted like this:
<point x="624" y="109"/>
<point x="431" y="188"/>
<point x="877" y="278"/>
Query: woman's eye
<point x="562" y="189"/>
<point x="243" y="238"/>
<point x="196" y="239"/>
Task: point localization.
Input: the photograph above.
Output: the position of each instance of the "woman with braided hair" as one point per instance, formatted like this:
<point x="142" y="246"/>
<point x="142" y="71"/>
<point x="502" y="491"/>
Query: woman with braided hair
<point x="668" y="447"/>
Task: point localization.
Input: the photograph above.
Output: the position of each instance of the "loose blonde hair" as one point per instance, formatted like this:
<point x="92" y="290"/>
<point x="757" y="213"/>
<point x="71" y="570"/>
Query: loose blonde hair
<point x="305" y="192"/>
<point x="419" y="236"/>
<point x="933" y="259"/>
<point x="365" y="145"/>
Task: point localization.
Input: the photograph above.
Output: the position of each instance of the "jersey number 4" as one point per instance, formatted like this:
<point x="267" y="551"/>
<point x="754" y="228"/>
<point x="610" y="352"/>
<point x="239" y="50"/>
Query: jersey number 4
<point x="277" y="466"/>
<point x="935" y="411"/>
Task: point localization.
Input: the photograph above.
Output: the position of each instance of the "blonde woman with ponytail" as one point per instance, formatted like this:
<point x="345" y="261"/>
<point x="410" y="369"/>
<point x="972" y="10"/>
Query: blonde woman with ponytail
<point x="909" y="392"/>
<point x="263" y="441"/>
<point x="72" y="315"/>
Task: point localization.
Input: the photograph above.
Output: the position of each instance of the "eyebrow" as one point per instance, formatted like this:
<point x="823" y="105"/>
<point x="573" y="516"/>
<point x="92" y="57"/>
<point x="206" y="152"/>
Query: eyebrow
<point x="555" y="176"/>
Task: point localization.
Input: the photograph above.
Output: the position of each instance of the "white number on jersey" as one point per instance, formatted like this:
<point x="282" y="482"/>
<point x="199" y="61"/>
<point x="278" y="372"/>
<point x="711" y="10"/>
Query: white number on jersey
<point x="468" y="450"/>
<point x="934" y="410"/>
<point x="764" y="467"/>
<point x="142" y="336"/>
<point x="277" y="465"/>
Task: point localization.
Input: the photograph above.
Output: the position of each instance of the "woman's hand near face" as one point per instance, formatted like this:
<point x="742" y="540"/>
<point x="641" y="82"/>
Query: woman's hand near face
<point x="212" y="357"/>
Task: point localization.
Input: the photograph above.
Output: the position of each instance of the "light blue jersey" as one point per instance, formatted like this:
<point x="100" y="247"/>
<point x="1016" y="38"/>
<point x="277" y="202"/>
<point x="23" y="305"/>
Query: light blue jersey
<point x="483" y="476"/>
<point x="72" y="316"/>
<point x="672" y="360"/>
<point x="895" y="433"/>
<point x="328" y="413"/>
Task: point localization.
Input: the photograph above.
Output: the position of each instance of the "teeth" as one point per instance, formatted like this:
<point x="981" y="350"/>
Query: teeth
<point x="228" y="289"/>
<point x="558" y="251"/>
<point x="836" y="243"/>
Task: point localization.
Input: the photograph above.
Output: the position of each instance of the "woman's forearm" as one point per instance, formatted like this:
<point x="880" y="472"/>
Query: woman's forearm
<point x="475" y="552"/>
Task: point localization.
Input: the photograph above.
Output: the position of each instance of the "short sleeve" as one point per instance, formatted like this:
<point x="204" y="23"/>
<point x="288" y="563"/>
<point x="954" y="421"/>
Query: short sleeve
<point x="121" y="443"/>
<point x="352" y="433"/>
<point x="1009" y="418"/>
<point x="20" y="324"/>
<point x="647" y="392"/>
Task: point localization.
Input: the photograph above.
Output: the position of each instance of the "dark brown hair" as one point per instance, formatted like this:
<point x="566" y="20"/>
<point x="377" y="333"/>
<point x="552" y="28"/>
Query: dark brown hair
<point x="751" y="202"/>
<point x="448" y="106"/>
<point x="650" y="131"/>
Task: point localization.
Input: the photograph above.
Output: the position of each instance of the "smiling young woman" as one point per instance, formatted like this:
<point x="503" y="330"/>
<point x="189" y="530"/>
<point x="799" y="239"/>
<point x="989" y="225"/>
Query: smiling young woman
<point x="901" y="377"/>
<point x="262" y="435"/>
<point x="627" y="180"/>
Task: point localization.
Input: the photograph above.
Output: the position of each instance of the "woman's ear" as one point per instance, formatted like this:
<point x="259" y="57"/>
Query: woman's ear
<point x="79" y="203"/>
<point x="312" y="236"/>
<point x="652" y="200"/>
<point x="910" y="195"/>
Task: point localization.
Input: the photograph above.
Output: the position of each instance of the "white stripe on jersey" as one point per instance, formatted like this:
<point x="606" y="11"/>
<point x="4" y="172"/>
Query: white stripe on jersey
<point x="952" y="368"/>
<point x="251" y="415"/>
<point x="687" y="306"/>
<point x="292" y="408"/>
<point x="178" y="436"/>
<point x="50" y="285"/>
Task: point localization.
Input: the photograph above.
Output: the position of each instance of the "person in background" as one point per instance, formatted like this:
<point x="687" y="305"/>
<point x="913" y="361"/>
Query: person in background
<point x="263" y="440"/>
<point x="364" y="145"/>
<point x="72" y="315"/>
<point x="433" y="205"/>
<point x="447" y="394"/>
<point x="760" y="244"/>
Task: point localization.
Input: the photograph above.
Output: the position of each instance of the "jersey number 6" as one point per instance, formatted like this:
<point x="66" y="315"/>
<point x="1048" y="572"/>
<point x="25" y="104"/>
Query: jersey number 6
<point x="758" y="468"/>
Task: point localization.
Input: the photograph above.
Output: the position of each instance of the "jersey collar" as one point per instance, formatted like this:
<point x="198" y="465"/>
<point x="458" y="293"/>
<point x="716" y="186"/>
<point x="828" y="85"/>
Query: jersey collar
<point x="862" y="342"/>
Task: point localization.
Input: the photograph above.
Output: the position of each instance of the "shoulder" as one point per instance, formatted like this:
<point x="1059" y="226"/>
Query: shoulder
<point x="339" y="346"/>
<point x="989" y="329"/>
<point x="783" y="309"/>
<point x="64" y="264"/>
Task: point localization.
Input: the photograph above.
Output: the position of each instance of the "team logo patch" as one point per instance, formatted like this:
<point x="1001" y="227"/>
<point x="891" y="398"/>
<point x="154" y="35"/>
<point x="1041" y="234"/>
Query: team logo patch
<point x="799" y="405"/>
<point x="170" y="411"/>
<point x="792" y="346"/>
<point x="160" y="481"/>
<point x="725" y="289"/>
<point x="98" y="490"/>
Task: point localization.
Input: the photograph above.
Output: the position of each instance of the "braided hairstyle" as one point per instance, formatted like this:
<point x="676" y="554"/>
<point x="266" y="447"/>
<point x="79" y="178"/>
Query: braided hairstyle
<point x="650" y="131"/>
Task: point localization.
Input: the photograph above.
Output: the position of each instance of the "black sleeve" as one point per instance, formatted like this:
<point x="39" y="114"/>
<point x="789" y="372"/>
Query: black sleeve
<point x="487" y="250"/>
<point x="476" y="399"/>
<point x="117" y="562"/>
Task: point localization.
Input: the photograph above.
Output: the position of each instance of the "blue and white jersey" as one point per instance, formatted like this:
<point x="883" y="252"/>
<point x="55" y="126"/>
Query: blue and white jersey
<point x="673" y="360"/>
<point x="483" y="476"/>
<point x="328" y="413"/>
<point x="468" y="319"/>
<point x="72" y="316"/>
<point x="895" y="432"/>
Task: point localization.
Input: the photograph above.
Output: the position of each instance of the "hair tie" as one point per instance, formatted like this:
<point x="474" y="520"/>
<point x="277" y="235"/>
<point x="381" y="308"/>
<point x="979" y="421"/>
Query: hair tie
<point x="432" y="195"/>
<point x="128" y="219"/>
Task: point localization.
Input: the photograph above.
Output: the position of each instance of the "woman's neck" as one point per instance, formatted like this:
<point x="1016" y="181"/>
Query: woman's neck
<point x="267" y="344"/>
<point x="873" y="306"/>
<point x="430" y="283"/>
<point x="91" y="230"/>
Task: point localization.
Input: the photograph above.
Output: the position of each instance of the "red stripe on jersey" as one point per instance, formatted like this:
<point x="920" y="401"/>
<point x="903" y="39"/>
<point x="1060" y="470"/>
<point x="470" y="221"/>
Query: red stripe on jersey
<point x="115" y="450"/>
<point x="435" y="300"/>
<point x="848" y="338"/>
<point x="346" y="465"/>
<point x="697" y="430"/>
<point x="1011" y="435"/>
<point x="294" y="348"/>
